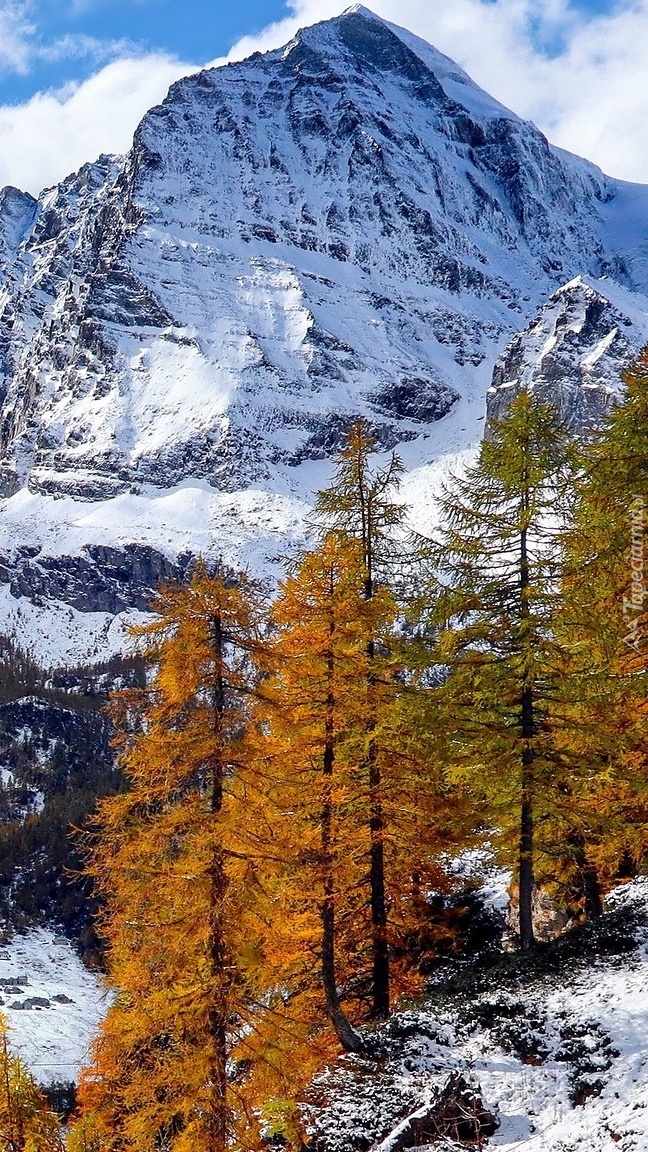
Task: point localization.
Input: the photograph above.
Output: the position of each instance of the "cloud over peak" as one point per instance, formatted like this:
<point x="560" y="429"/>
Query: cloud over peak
<point x="580" y="79"/>
<point x="56" y="132"/>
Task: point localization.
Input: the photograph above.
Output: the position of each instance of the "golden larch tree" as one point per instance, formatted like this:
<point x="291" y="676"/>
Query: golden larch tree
<point x="177" y="914"/>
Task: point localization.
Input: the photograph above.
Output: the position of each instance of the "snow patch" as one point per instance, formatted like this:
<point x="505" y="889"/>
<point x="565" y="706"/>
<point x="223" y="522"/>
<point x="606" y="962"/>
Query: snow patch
<point x="53" y="1037"/>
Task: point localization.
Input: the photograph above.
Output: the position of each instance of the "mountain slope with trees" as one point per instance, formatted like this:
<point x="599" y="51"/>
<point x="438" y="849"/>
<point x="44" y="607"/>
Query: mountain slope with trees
<point x="298" y="782"/>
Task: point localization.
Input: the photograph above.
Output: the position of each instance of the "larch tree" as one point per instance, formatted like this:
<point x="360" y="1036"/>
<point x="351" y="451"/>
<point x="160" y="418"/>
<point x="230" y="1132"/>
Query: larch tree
<point x="606" y="581"/>
<point x="317" y="721"/>
<point x="27" y="1123"/>
<point x="360" y="505"/>
<point x="84" y="1135"/>
<point x="500" y="561"/>
<point x="166" y="859"/>
<point x="312" y="703"/>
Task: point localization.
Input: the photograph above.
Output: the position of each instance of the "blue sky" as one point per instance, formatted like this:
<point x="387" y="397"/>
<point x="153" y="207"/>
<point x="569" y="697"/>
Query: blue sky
<point x="77" y="75"/>
<point x="70" y="37"/>
<point x="81" y="33"/>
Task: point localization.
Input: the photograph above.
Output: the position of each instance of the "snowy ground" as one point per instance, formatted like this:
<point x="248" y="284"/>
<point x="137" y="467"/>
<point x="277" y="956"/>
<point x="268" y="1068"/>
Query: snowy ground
<point x="561" y="1058"/>
<point x="536" y="1112"/>
<point x="52" y="1003"/>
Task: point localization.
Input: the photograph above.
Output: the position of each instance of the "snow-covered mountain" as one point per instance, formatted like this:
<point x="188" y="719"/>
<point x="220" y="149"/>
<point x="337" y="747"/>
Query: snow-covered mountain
<point x="573" y="353"/>
<point x="347" y="225"/>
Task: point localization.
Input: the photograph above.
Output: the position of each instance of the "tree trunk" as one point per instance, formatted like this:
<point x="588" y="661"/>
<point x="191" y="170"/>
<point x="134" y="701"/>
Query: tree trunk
<point x="527" y="938"/>
<point x="380" y="1010"/>
<point x="346" y="1033"/>
<point x="592" y="892"/>
<point x="589" y="888"/>
<point x="380" y="950"/>
<point x="216" y="1119"/>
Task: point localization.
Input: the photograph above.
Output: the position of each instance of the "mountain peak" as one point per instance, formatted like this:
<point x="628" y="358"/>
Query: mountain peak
<point x="572" y="354"/>
<point x="360" y="10"/>
<point x="389" y="47"/>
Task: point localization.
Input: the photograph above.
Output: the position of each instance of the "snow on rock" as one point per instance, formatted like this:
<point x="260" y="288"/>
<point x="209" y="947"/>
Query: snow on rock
<point x="52" y="1003"/>
<point x="57" y="635"/>
<point x="591" y="1094"/>
<point x="558" y="1054"/>
<point x="78" y="573"/>
<point x="573" y="352"/>
<point x="17" y="212"/>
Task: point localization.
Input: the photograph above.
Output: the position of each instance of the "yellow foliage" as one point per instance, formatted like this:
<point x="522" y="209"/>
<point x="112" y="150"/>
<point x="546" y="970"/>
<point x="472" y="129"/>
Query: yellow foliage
<point x="27" y="1123"/>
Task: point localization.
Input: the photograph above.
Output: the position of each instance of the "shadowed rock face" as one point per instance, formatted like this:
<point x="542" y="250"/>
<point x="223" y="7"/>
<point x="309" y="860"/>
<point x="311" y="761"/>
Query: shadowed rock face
<point x="101" y="579"/>
<point x="571" y="355"/>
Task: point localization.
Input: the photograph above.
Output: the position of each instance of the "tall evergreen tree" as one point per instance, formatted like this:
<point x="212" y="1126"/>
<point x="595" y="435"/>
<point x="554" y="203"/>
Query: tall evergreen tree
<point x="315" y="720"/>
<point x="320" y="661"/>
<point x="500" y="559"/>
<point x="360" y="505"/>
<point x="606" y="614"/>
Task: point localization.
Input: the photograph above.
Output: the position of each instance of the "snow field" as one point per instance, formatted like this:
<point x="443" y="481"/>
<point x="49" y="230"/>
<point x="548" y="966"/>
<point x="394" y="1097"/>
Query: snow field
<point x="53" y="1037"/>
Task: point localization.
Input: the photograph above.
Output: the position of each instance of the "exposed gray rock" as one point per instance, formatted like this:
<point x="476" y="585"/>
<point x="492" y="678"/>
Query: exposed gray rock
<point x="100" y="579"/>
<point x="31" y="1003"/>
<point x="415" y="398"/>
<point x="347" y="226"/>
<point x="17" y="213"/>
<point x="571" y="355"/>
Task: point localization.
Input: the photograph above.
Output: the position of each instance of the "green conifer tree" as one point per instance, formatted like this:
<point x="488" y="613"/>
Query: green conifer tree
<point x="360" y="505"/>
<point x="499" y="557"/>
<point x="606" y="618"/>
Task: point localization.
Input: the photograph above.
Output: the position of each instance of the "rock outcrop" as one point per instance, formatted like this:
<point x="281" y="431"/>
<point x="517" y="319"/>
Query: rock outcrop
<point x="571" y="355"/>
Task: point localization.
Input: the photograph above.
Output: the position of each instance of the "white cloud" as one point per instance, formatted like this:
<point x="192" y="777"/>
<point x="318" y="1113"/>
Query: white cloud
<point x="81" y="47"/>
<point x="580" y="80"/>
<point x="55" y="132"/>
<point x="15" y="36"/>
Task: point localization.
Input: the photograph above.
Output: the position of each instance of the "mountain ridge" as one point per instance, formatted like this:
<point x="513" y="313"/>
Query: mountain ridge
<point x="345" y="226"/>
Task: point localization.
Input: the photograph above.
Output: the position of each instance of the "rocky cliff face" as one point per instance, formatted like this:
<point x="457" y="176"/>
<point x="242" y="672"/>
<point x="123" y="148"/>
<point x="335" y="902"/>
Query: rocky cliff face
<point x="101" y="578"/>
<point x="571" y="355"/>
<point x="345" y="226"/>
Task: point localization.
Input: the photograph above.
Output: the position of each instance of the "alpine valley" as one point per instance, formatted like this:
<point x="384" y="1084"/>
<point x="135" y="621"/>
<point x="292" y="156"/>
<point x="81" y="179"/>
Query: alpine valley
<point x="346" y="226"/>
